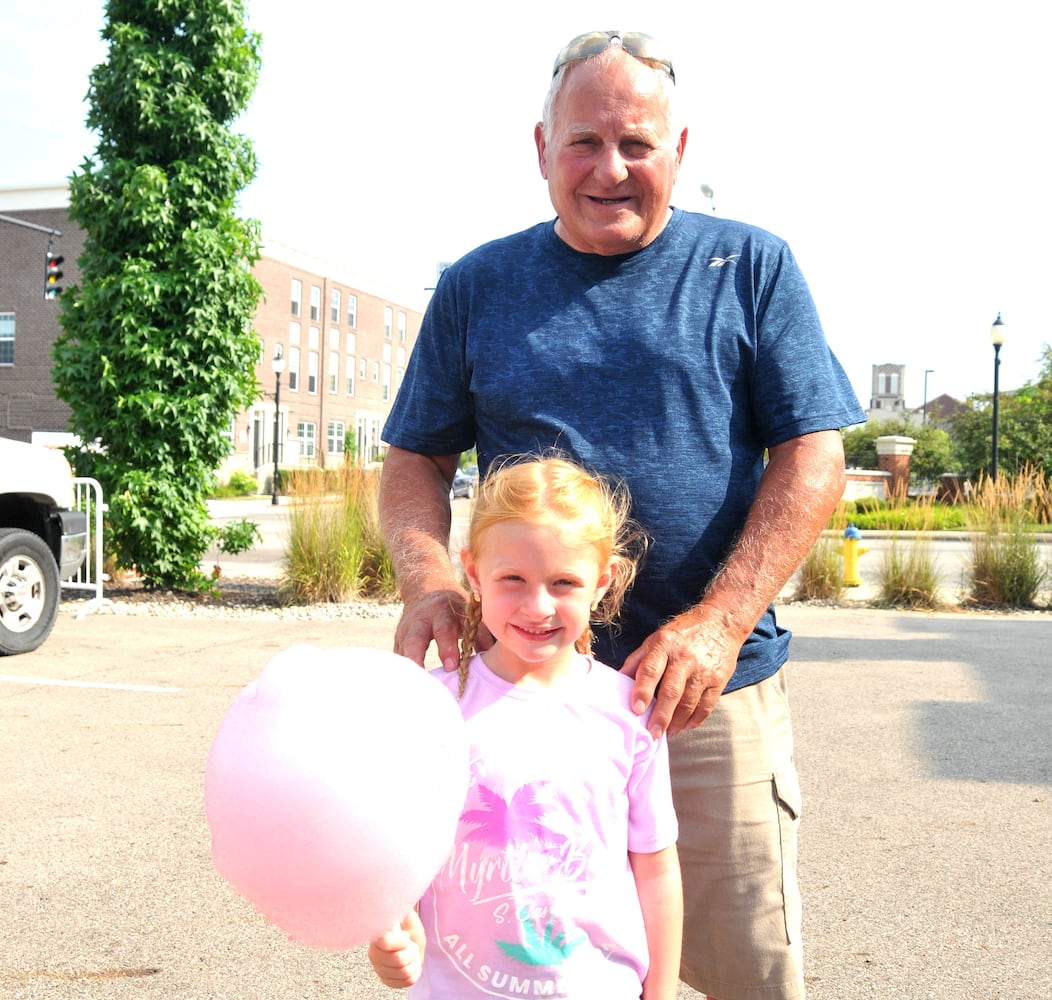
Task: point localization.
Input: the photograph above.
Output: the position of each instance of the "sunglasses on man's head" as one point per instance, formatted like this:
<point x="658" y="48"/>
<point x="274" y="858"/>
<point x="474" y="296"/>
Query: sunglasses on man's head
<point x="635" y="43"/>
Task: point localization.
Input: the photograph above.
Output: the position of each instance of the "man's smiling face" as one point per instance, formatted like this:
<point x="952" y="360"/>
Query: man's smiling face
<point x="610" y="157"/>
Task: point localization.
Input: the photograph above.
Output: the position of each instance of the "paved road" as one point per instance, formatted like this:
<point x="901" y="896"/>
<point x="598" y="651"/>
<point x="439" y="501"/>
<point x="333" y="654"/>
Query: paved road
<point x="923" y="742"/>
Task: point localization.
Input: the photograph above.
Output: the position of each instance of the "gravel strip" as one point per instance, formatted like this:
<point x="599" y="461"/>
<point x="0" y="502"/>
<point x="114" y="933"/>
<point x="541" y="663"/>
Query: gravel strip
<point x="258" y="597"/>
<point x="238" y="597"/>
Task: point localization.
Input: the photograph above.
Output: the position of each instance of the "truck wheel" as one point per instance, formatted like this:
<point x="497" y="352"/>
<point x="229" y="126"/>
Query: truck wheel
<point x="29" y="587"/>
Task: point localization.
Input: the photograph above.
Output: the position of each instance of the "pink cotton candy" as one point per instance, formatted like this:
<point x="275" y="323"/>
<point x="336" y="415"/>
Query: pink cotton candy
<point x="333" y="789"/>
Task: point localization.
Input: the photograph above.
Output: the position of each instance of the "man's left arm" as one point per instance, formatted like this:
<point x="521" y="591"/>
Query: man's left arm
<point x="694" y="654"/>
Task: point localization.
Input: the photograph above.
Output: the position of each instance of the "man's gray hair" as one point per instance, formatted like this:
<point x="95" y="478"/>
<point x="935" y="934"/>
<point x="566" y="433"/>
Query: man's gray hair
<point x="668" y="87"/>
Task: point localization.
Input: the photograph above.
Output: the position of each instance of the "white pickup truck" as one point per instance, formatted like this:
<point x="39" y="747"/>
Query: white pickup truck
<point x="43" y="541"/>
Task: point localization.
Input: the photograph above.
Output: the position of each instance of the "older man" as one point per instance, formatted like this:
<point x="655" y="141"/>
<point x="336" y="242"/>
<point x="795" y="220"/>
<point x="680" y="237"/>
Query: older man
<point x="672" y="350"/>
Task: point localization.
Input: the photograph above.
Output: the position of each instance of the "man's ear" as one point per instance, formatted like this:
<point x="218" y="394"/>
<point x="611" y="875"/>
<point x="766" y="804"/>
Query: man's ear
<point x="542" y="149"/>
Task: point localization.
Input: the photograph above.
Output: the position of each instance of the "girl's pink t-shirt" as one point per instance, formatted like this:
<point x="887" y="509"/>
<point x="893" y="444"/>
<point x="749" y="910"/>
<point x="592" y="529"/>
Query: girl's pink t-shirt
<point x="537" y="898"/>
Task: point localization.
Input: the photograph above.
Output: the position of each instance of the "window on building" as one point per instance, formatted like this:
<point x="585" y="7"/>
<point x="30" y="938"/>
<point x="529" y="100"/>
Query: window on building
<point x="294" y="333"/>
<point x="7" y="338"/>
<point x="388" y="321"/>
<point x="402" y="327"/>
<point x="350" y="374"/>
<point x="334" y="308"/>
<point x="315" y="303"/>
<point x="334" y="371"/>
<point x="312" y="373"/>
<point x="351" y="344"/>
<point x="229" y="435"/>
<point x="361" y="369"/>
<point x="306" y="435"/>
<point x="352" y="309"/>
<point x="336" y="436"/>
<point x="294" y="368"/>
<point x="296" y="296"/>
<point x="376" y="371"/>
<point x="387" y="383"/>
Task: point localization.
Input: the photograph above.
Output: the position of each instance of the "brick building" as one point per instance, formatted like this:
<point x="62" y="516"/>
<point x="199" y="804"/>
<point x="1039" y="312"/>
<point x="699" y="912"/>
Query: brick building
<point x="344" y="348"/>
<point x="28" y="322"/>
<point x="344" y="351"/>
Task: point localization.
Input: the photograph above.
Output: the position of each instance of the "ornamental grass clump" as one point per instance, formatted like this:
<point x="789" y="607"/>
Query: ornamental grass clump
<point x="335" y="552"/>
<point x="821" y="574"/>
<point x="909" y="573"/>
<point x="1006" y="566"/>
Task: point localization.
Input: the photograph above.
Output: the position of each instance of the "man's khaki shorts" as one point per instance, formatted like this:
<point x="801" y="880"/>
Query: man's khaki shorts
<point x="738" y="801"/>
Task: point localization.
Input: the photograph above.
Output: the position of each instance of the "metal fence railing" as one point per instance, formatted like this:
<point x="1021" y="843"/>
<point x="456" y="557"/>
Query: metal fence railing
<point x="90" y="576"/>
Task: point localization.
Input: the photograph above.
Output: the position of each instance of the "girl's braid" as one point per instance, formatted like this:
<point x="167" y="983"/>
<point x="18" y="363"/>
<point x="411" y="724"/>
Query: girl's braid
<point x="472" y="620"/>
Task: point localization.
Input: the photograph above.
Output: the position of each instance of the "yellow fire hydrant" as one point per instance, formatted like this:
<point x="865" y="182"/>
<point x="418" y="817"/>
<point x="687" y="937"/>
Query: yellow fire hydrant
<point x="851" y="550"/>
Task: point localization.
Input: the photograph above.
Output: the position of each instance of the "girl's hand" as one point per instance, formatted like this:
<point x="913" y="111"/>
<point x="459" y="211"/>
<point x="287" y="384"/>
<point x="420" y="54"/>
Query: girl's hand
<point x="398" y="954"/>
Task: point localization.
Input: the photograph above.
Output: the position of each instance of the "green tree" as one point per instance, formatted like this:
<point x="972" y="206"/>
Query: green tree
<point x="932" y="454"/>
<point x="157" y="353"/>
<point x="1024" y="428"/>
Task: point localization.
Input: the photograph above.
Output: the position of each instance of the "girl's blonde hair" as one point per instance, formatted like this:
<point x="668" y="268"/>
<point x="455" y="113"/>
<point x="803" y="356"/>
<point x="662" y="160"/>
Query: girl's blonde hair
<point x="551" y="490"/>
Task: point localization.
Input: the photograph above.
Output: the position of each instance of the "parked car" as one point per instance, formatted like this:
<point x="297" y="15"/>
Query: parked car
<point x="42" y="541"/>
<point x="465" y="482"/>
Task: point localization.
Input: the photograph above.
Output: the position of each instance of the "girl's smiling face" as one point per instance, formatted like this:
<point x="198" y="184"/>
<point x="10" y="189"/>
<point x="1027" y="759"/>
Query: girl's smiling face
<point x="537" y="586"/>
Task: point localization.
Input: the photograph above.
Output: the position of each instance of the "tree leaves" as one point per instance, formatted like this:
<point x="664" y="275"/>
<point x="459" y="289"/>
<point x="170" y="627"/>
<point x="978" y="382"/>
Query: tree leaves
<point x="157" y="355"/>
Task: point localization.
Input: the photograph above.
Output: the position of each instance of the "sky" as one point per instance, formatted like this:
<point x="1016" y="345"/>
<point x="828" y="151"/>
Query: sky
<point x="900" y="149"/>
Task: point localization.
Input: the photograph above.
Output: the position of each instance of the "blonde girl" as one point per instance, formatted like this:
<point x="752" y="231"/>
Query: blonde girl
<point x="555" y="494"/>
<point x="563" y="879"/>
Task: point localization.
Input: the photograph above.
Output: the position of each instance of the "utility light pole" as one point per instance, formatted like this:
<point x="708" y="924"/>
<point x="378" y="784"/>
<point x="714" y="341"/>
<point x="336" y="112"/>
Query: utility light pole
<point x="278" y="366"/>
<point x="997" y="338"/>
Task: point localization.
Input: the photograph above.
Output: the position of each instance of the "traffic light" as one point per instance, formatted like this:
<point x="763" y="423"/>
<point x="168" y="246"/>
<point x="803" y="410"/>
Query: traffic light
<point x="52" y="273"/>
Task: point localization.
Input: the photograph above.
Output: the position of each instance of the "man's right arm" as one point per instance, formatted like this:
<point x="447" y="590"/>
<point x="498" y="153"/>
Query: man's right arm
<point x="415" y="519"/>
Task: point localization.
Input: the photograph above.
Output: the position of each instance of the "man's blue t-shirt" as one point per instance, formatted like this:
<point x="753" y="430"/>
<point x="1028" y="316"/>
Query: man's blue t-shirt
<point x="672" y="368"/>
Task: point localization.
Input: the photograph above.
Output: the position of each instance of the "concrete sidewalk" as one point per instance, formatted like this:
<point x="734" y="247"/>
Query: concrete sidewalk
<point x="923" y="743"/>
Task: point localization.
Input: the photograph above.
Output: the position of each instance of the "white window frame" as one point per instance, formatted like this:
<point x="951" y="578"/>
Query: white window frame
<point x="307" y="438"/>
<point x="8" y="330"/>
<point x="333" y="374"/>
<point x="336" y="436"/>
<point x="294" y="369"/>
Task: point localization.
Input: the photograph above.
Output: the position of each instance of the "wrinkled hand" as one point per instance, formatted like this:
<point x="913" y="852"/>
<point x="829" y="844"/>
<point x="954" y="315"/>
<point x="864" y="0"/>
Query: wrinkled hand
<point x="397" y="955"/>
<point x="693" y="657"/>
<point x="438" y="615"/>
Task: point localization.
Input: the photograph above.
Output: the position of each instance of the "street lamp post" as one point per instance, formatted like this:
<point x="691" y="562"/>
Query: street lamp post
<point x="278" y="366"/>
<point x="997" y="338"/>
<point x="924" y="408"/>
<point x="711" y="195"/>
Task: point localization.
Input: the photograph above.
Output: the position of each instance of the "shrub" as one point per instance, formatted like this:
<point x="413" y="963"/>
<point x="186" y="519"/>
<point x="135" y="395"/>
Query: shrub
<point x="868" y="504"/>
<point x="335" y="551"/>
<point x="1006" y="560"/>
<point x="821" y="574"/>
<point x="240" y="484"/>
<point x="909" y="576"/>
<point x="912" y="516"/>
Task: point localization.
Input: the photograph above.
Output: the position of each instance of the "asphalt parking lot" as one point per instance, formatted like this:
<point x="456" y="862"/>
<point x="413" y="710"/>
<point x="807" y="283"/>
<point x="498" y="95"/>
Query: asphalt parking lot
<point x="923" y="742"/>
